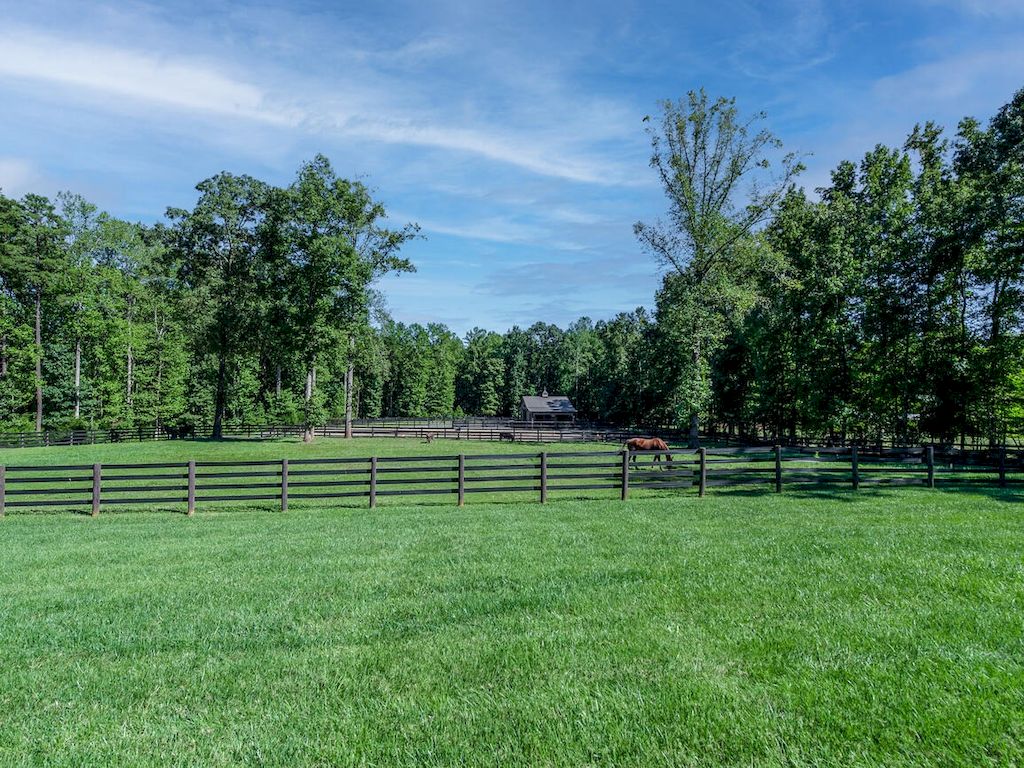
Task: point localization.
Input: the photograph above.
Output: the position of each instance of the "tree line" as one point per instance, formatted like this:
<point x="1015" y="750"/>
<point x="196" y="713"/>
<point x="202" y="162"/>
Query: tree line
<point x="889" y="304"/>
<point x="888" y="307"/>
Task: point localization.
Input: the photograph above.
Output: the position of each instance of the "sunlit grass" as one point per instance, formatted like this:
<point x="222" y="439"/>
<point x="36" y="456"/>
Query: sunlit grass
<point x="879" y="628"/>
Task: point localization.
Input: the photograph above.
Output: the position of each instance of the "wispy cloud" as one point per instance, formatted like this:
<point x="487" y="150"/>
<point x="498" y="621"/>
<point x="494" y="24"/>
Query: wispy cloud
<point x="18" y="176"/>
<point x="570" y="277"/>
<point x="494" y="229"/>
<point x="984" y="8"/>
<point x="966" y="80"/>
<point x="782" y="39"/>
<point x="205" y="86"/>
<point x="126" y="73"/>
<point x="510" y="131"/>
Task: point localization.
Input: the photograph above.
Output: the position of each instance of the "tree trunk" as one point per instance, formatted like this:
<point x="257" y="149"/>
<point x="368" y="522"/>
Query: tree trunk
<point x="78" y="378"/>
<point x="159" y="331"/>
<point x="277" y="382"/>
<point x="220" y="401"/>
<point x="694" y="436"/>
<point x="130" y="382"/>
<point x="39" y="362"/>
<point x="348" y="400"/>
<point x="129" y="395"/>
<point x="995" y="374"/>
<point x="308" y="433"/>
<point x="348" y="388"/>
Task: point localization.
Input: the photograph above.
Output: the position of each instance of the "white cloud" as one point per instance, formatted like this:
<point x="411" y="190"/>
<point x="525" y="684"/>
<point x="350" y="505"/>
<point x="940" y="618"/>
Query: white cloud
<point x="973" y="82"/>
<point x="18" y="176"/>
<point x="492" y="229"/>
<point x="965" y="80"/>
<point x="175" y="82"/>
<point x="527" y="155"/>
<point x="573" y="278"/>
<point x="377" y="110"/>
<point x="985" y="8"/>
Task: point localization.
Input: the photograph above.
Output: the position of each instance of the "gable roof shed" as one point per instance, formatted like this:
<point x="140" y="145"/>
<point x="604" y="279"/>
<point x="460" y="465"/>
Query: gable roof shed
<point x="553" y="408"/>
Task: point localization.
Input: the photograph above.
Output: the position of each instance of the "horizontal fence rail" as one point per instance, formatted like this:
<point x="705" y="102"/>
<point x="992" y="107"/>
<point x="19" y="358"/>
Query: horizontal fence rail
<point x="91" y="487"/>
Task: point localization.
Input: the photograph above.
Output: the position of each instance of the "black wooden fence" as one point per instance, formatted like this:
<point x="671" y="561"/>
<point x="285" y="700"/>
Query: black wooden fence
<point x="161" y="485"/>
<point x="467" y="428"/>
<point x="422" y="429"/>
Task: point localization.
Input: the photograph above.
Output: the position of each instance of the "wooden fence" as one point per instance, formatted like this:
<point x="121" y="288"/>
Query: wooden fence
<point x="481" y="430"/>
<point x="161" y="485"/>
<point x="468" y="428"/>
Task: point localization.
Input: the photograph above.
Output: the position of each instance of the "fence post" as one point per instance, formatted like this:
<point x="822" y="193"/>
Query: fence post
<point x="778" y="469"/>
<point x="543" y="477"/>
<point x="97" y="470"/>
<point x="702" y="488"/>
<point x="284" y="485"/>
<point x="929" y="454"/>
<point x="854" y="467"/>
<point x="191" y="487"/>
<point x="625" y="475"/>
<point x="3" y="488"/>
<point x="462" y="479"/>
<point x="373" y="482"/>
<point x="1002" y="467"/>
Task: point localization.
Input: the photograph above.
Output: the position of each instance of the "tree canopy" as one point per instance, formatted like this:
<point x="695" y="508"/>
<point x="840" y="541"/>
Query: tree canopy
<point x="888" y="304"/>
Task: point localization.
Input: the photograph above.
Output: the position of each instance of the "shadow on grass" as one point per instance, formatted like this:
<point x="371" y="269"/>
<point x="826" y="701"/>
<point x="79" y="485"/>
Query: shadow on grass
<point x="803" y="491"/>
<point x="820" y="492"/>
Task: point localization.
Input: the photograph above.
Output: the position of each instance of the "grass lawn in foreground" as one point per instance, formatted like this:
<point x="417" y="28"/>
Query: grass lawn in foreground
<point x="879" y="628"/>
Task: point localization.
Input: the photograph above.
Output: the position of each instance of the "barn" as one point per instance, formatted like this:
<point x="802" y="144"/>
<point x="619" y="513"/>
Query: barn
<point x="547" y="409"/>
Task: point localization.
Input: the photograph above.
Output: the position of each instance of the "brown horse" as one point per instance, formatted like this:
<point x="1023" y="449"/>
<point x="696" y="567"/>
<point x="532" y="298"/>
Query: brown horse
<point x="648" y="444"/>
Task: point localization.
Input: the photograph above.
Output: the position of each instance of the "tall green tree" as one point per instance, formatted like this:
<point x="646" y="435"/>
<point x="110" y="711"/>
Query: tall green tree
<point x="32" y="257"/>
<point x="338" y="246"/>
<point x="218" y="247"/>
<point x="718" y="172"/>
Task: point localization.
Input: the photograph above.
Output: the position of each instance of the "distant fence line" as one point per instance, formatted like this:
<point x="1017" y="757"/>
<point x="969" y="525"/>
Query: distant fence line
<point x="442" y="428"/>
<point x="92" y="487"/>
<point x="424" y="429"/>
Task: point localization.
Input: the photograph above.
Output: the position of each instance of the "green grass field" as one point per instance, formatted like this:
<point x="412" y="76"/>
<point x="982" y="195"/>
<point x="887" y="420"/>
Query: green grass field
<point x="808" y="628"/>
<point x="285" y="448"/>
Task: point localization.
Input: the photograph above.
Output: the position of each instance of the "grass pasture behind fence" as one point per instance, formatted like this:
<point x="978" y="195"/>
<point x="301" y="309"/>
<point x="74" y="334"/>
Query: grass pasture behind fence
<point x="181" y="486"/>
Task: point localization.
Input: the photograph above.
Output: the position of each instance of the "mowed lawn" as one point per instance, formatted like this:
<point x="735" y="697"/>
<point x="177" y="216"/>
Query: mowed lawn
<point x="877" y="628"/>
<point x="282" y="448"/>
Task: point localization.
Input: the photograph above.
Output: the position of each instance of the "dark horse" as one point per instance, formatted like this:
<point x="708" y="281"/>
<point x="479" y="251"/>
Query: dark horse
<point x="179" y="432"/>
<point x="648" y="444"/>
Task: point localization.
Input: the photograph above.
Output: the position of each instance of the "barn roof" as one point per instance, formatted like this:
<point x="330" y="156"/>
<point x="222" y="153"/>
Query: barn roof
<point x="553" y="404"/>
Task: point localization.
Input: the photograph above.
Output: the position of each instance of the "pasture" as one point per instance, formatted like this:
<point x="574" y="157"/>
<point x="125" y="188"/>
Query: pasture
<point x="882" y="627"/>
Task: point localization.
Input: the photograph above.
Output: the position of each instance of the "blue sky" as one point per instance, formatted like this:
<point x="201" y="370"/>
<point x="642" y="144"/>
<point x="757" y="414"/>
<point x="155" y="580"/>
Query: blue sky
<point x="511" y="132"/>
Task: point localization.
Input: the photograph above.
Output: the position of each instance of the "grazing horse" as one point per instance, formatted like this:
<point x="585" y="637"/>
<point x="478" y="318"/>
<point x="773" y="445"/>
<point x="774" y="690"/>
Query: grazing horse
<point x="648" y="444"/>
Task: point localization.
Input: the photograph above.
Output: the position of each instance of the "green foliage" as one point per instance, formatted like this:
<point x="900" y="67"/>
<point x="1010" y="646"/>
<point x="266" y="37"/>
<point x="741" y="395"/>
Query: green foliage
<point x="890" y="305"/>
<point x="707" y="158"/>
<point x="890" y="308"/>
<point x="481" y="379"/>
